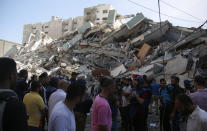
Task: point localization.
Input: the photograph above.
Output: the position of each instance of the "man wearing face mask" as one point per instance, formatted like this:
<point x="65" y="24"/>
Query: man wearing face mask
<point x="197" y="118"/>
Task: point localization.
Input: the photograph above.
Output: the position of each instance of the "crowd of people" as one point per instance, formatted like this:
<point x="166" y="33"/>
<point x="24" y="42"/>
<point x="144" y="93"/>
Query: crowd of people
<point x="57" y="103"/>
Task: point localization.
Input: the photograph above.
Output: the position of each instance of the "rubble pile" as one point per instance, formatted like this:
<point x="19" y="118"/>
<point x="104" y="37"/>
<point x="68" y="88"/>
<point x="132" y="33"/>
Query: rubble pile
<point x="139" y="46"/>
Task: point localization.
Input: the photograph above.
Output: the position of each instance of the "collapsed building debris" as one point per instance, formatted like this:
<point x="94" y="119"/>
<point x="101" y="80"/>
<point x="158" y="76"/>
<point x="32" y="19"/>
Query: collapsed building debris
<point x="139" y="46"/>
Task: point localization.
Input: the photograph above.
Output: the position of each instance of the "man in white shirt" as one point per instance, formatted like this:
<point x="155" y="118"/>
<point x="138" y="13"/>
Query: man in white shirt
<point x="197" y="118"/>
<point x="62" y="116"/>
<point x="58" y="95"/>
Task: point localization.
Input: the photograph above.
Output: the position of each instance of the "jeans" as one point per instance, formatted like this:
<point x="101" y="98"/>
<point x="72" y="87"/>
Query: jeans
<point x="31" y="128"/>
<point x="114" y="126"/>
<point x="176" y="122"/>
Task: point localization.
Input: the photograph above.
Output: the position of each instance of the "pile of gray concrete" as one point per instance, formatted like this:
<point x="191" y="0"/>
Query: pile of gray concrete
<point x="139" y="46"/>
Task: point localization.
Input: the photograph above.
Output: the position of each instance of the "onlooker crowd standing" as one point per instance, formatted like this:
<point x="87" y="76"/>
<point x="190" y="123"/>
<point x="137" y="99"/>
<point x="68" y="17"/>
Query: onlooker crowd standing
<point x="62" y="104"/>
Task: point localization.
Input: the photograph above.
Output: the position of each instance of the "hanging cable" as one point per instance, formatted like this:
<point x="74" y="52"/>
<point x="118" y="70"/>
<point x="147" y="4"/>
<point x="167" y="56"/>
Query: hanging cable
<point x="181" y="19"/>
<point x="180" y="10"/>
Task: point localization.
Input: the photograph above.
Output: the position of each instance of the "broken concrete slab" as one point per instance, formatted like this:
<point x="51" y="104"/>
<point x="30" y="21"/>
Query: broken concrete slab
<point x="118" y="70"/>
<point x="85" y="27"/>
<point x="176" y="66"/>
<point x="111" y="18"/>
<point x="72" y="42"/>
<point x="135" y="21"/>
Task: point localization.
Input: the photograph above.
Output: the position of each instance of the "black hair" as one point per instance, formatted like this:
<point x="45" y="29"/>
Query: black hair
<point x="33" y="76"/>
<point x="162" y="80"/>
<point x="43" y="75"/>
<point x="106" y="81"/>
<point x="7" y="66"/>
<point x="35" y="85"/>
<point x="200" y="80"/>
<point x="184" y="99"/>
<point x="23" y="72"/>
<point x="177" y="79"/>
<point x="75" y="89"/>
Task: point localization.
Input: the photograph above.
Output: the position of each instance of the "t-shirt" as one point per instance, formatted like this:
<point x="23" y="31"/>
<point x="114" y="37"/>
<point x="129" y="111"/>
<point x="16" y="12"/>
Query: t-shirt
<point x="101" y="115"/>
<point x="200" y="98"/>
<point x="56" y="97"/>
<point x="155" y="88"/>
<point x="125" y="99"/>
<point x="34" y="105"/>
<point x="197" y="120"/>
<point x="62" y="118"/>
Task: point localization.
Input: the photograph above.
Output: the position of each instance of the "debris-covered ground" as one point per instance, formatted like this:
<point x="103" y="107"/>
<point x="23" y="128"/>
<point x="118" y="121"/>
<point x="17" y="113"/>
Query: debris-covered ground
<point x="140" y="46"/>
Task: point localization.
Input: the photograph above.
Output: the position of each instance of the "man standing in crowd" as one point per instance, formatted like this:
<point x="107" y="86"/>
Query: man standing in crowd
<point x="62" y="117"/>
<point x="141" y="97"/>
<point x="102" y="115"/>
<point x="22" y="85"/>
<point x="58" y="95"/>
<point x="155" y="96"/>
<point x="124" y="109"/>
<point x="44" y="81"/>
<point x="73" y="77"/>
<point x="35" y="106"/>
<point x="52" y="87"/>
<point x="200" y="96"/>
<point x="165" y="106"/>
<point x="82" y="109"/>
<point x="176" y="90"/>
<point x="197" y="118"/>
<point x="12" y="111"/>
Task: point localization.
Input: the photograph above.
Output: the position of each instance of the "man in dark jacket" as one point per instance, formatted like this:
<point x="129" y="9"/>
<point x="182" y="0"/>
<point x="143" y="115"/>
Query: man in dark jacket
<point x="12" y="111"/>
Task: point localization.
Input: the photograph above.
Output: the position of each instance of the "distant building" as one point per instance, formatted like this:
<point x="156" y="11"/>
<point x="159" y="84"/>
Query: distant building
<point x="56" y="28"/>
<point x="8" y="48"/>
<point x="97" y="14"/>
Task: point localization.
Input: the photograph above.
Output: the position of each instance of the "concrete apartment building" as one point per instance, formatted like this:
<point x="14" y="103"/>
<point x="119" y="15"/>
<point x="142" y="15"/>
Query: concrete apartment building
<point x="58" y="27"/>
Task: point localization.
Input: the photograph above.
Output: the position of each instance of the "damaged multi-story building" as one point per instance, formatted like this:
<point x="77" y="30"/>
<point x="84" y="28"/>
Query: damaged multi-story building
<point x="57" y="27"/>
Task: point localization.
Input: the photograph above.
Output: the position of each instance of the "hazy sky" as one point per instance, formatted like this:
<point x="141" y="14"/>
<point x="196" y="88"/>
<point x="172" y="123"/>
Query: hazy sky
<point x="15" y="13"/>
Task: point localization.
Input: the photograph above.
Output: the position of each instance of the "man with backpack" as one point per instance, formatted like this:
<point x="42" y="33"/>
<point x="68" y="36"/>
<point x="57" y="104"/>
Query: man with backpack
<point x="12" y="110"/>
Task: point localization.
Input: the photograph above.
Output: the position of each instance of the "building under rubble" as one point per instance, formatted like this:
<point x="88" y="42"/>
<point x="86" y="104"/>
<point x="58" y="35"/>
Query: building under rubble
<point x="108" y="46"/>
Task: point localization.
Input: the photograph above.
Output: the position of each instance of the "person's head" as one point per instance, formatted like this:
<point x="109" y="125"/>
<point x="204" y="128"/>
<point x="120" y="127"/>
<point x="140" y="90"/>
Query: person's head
<point x="34" y="78"/>
<point x="153" y="80"/>
<point x="76" y="92"/>
<point x="63" y="84"/>
<point x="8" y="73"/>
<point x="138" y="82"/>
<point x="184" y="104"/>
<point x="175" y="80"/>
<point x="44" y="78"/>
<point x="74" y="75"/>
<point x="162" y="82"/>
<point x="35" y="86"/>
<point x="54" y="82"/>
<point x="108" y="84"/>
<point x="199" y="82"/>
<point x="23" y="74"/>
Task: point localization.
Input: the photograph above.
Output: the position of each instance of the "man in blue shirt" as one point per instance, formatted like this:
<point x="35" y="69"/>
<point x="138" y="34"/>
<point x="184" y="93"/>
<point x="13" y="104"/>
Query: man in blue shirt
<point x="155" y="95"/>
<point x="165" y="106"/>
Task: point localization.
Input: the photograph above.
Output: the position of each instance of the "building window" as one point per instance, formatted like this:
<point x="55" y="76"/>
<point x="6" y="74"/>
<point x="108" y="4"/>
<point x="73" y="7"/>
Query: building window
<point x="97" y="19"/>
<point x="104" y="18"/>
<point x="46" y="32"/>
<point x="87" y="20"/>
<point x="33" y="28"/>
<point x="75" y="22"/>
<point x="105" y="11"/>
<point x="88" y="13"/>
<point x="46" y="26"/>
